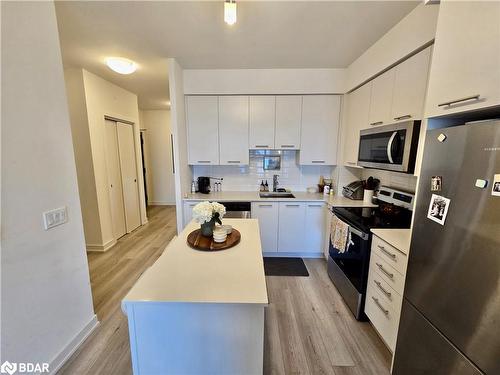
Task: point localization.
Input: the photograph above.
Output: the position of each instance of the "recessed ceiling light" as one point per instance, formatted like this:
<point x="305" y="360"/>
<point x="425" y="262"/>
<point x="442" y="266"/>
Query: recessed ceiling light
<point x="230" y="12"/>
<point x="121" y="65"/>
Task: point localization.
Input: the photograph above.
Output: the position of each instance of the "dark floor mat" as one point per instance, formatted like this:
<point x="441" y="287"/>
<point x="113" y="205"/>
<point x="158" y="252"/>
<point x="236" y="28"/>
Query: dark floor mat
<point x="285" y="267"/>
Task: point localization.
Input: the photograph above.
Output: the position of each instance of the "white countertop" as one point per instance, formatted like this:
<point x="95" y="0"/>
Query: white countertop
<point x="182" y="274"/>
<point x="399" y="238"/>
<point x="300" y="196"/>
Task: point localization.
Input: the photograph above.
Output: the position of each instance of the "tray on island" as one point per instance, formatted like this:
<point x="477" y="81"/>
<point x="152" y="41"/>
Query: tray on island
<point x="199" y="242"/>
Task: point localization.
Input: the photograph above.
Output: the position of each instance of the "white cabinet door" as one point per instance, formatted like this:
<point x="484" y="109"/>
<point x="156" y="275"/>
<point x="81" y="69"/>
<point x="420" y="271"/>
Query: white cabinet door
<point x="314" y="227"/>
<point x="202" y="116"/>
<point x="319" y="131"/>
<point x="288" y="120"/>
<point x="410" y="84"/>
<point x="357" y="107"/>
<point x="188" y="212"/>
<point x="267" y="213"/>
<point x="292" y="232"/>
<point x="466" y="58"/>
<point x="233" y="130"/>
<point x="262" y="119"/>
<point x="381" y="99"/>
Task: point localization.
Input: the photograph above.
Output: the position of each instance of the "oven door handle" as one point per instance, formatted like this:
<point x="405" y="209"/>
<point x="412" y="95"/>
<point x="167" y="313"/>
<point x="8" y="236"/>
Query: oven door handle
<point x="389" y="147"/>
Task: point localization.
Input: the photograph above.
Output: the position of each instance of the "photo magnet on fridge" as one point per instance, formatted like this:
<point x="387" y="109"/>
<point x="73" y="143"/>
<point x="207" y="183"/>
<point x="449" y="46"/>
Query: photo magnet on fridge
<point x="436" y="183"/>
<point x="495" y="189"/>
<point x="438" y="208"/>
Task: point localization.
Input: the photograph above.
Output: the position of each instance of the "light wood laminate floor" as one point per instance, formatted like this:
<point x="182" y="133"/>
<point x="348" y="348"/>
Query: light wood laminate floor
<point x="309" y="330"/>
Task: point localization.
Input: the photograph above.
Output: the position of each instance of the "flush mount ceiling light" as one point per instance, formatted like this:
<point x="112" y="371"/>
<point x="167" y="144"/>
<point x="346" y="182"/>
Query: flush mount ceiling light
<point x="230" y="12"/>
<point x="121" y="65"/>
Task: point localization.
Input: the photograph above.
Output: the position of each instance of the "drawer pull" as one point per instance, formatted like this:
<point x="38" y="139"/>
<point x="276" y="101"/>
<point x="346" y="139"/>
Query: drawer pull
<point x="379" y="284"/>
<point x="287" y="146"/>
<point x="379" y="305"/>
<point x="472" y="97"/>
<point x="292" y="205"/>
<point x="317" y="161"/>
<point x="377" y="123"/>
<point x="315" y="205"/>
<point x="402" y="117"/>
<point x="387" y="252"/>
<point x="265" y="205"/>
<point x="381" y="267"/>
<point x="233" y="162"/>
<point x="261" y="146"/>
<point x="204" y="161"/>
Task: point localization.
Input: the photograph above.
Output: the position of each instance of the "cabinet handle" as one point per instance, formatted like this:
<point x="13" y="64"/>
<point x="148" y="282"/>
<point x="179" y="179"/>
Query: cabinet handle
<point x="387" y="293"/>
<point x="292" y="205"/>
<point x="315" y="205"/>
<point x="472" y="97"/>
<point x="379" y="305"/>
<point x="381" y="268"/>
<point x="287" y="146"/>
<point x="265" y="205"/>
<point x="261" y="146"/>
<point x="204" y="161"/>
<point x="387" y="252"/>
<point x="402" y="117"/>
<point x="233" y="162"/>
<point x="317" y="161"/>
<point x="377" y="123"/>
<point x="351" y="163"/>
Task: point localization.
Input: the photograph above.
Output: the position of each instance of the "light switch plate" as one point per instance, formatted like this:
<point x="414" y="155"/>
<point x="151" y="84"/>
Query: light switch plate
<point x="55" y="217"/>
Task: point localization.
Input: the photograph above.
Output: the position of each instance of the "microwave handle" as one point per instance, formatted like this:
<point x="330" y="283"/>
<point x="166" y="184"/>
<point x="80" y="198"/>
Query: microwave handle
<point x="389" y="147"/>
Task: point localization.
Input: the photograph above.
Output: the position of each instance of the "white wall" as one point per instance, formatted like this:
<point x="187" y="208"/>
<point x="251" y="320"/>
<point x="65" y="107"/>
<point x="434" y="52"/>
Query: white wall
<point x="46" y="299"/>
<point x="159" y="164"/>
<point x="183" y="173"/>
<point x="101" y="98"/>
<point x="264" y="81"/>
<point x="414" y="31"/>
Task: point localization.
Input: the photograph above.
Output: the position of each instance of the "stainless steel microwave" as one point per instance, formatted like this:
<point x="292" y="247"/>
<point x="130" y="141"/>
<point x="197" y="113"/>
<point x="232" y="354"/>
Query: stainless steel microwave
<point x="391" y="147"/>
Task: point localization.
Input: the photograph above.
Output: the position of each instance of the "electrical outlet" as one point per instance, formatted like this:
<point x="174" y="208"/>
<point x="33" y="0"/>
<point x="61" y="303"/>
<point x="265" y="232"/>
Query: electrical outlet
<point x="55" y="217"/>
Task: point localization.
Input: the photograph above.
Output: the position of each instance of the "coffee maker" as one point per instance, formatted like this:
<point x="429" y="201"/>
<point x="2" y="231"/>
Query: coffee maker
<point x="204" y="185"/>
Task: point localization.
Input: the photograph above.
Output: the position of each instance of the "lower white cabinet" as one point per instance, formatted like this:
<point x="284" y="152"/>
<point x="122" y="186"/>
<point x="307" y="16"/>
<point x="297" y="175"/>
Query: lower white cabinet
<point x="188" y="211"/>
<point x="267" y="213"/>
<point x="314" y="227"/>
<point x="292" y="231"/>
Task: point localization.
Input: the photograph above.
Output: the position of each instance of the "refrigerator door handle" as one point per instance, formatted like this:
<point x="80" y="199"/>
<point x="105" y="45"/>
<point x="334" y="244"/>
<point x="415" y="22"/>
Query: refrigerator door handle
<point x="389" y="147"/>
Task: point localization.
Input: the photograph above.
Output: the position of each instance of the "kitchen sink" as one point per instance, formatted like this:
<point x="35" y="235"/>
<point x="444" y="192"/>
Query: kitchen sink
<point x="276" y="195"/>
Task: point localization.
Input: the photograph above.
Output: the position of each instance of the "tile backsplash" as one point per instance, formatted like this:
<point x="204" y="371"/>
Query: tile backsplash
<point x="403" y="181"/>
<point x="247" y="178"/>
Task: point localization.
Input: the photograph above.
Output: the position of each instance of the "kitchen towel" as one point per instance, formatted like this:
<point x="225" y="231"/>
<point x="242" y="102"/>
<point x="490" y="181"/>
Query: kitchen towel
<point x="340" y="235"/>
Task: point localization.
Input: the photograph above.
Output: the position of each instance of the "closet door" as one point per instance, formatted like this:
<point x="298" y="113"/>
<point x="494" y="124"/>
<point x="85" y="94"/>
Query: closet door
<point x="126" y="147"/>
<point x="114" y="180"/>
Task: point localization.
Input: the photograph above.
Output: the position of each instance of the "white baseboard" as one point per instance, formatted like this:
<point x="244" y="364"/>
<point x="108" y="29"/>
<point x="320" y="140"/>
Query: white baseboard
<point x="73" y="345"/>
<point x="108" y="245"/>
<point x="292" y="255"/>
<point x="161" y="203"/>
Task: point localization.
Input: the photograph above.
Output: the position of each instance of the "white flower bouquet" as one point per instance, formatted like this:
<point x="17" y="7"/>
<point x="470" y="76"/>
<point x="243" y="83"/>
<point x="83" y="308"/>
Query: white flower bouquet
<point x="207" y="214"/>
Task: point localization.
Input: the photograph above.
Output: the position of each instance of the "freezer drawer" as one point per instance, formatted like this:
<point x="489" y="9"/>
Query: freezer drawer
<point x="422" y="350"/>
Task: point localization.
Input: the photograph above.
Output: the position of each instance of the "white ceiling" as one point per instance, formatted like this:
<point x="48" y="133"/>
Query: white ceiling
<point x="280" y="34"/>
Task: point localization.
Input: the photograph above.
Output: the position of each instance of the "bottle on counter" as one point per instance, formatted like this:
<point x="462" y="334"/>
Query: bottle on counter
<point x="193" y="187"/>
<point x="262" y="187"/>
<point x="266" y="186"/>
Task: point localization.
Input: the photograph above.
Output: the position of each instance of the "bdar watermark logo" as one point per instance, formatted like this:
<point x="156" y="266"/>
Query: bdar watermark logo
<point x="8" y="368"/>
<point x="23" y="368"/>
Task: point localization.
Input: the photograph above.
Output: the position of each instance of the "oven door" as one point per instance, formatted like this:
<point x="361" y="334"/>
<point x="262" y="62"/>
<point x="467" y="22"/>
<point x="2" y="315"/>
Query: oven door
<point x="388" y="147"/>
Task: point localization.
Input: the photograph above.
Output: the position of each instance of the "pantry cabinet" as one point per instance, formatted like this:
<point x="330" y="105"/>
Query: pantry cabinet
<point x="202" y="117"/>
<point x="267" y="214"/>
<point x="319" y="129"/>
<point x="465" y="73"/>
<point x="262" y="121"/>
<point x="233" y="130"/>
<point x="288" y="120"/>
<point x="381" y="99"/>
<point x="357" y="110"/>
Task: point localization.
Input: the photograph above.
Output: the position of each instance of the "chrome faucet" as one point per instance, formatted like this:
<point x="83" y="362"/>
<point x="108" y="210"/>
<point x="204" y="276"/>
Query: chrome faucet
<point x="275" y="182"/>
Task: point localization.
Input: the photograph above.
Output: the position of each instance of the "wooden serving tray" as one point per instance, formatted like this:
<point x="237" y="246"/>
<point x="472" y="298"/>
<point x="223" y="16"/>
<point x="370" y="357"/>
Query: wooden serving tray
<point x="199" y="242"/>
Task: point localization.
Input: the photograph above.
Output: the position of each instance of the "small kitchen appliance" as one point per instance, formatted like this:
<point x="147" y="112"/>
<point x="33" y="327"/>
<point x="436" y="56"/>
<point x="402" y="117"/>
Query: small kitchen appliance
<point x="354" y="190"/>
<point x="204" y="185"/>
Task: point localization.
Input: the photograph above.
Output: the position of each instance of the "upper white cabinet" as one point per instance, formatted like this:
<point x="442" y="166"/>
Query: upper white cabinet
<point x="381" y="99"/>
<point x="319" y="130"/>
<point x="410" y="84"/>
<point x="465" y="72"/>
<point x="233" y="130"/>
<point x="202" y="117"/>
<point x="288" y="120"/>
<point x="262" y="121"/>
<point x="356" y="118"/>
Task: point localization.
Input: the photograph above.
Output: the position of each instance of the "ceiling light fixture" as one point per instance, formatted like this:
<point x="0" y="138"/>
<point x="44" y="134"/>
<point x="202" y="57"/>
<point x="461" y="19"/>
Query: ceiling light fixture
<point x="121" y="65"/>
<point x="230" y="12"/>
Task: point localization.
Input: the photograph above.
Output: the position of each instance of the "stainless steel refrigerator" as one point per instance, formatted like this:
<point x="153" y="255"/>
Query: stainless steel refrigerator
<point x="450" y="320"/>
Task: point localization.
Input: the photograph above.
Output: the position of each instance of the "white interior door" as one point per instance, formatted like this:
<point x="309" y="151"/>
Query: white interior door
<point x="128" y="166"/>
<point x="114" y="180"/>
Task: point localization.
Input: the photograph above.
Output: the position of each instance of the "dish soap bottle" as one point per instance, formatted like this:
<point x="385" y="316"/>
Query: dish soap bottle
<point x="262" y="187"/>
<point x="266" y="186"/>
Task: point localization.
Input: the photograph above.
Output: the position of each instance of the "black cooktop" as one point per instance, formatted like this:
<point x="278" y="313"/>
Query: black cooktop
<point x="367" y="218"/>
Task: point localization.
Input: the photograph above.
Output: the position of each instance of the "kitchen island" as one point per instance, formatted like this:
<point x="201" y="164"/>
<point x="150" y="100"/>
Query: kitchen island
<point x="198" y="312"/>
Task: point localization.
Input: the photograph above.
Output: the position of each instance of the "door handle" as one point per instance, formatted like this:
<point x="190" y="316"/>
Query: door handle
<point x="379" y="305"/>
<point x="381" y="268"/>
<point x="387" y="252"/>
<point x="472" y="97"/>
<point x="379" y="284"/>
